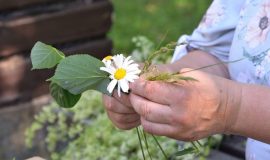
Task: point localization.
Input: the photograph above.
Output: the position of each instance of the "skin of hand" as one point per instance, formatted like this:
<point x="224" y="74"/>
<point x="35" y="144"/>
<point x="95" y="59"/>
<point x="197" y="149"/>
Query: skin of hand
<point x="120" y="110"/>
<point x="212" y="105"/>
<point x="186" y="111"/>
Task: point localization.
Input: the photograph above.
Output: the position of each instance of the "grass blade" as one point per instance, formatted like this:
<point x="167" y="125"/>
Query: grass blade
<point x="194" y="145"/>
<point x="139" y="137"/>
<point x="189" y="150"/>
<point x="212" y="65"/>
<point x="146" y="143"/>
<point x="163" y="152"/>
<point x="199" y="143"/>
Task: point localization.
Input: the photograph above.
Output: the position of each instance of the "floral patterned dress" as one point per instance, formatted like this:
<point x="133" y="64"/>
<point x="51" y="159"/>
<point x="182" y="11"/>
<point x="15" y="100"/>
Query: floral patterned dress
<point x="233" y="30"/>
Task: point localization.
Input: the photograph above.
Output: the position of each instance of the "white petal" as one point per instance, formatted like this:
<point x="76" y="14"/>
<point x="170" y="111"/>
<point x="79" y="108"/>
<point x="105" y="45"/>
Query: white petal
<point x="111" y="85"/>
<point x="126" y="62"/>
<point x="124" y="85"/>
<point x="118" y="60"/>
<point x="134" y="65"/>
<point x="106" y="69"/>
<point x="112" y="76"/>
<point x="129" y="62"/>
<point x="108" y="63"/>
<point x="134" y="72"/>
<point x="109" y="69"/>
<point x="131" y="77"/>
<point x="132" y="68"/>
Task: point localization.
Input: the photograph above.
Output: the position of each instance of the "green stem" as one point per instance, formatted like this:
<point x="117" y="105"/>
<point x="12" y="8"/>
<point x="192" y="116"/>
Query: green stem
<point x="163" y="152"/>
<point x="194" y="145"/>
<point x="138" y="134"/>
<point x="213" y="65"/>
<point x="146" y="144"/>
<point x="163" y="39"/>
<point x="199" y="143"/>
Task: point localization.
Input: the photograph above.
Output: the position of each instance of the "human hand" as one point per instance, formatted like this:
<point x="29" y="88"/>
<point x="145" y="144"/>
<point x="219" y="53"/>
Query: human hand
<point x="187" y="111"/>
<point x="120" y="110"/>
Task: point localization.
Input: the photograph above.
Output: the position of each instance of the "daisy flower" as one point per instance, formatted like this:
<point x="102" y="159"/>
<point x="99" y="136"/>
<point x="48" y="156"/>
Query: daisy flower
<point x="259" y="26"/>
<point x="122" y="71"/>
<point x="107" y="60"/>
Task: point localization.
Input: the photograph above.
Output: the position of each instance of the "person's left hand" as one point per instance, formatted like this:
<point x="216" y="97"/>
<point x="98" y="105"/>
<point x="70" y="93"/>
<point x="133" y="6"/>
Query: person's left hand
<point x="185" y="111"/>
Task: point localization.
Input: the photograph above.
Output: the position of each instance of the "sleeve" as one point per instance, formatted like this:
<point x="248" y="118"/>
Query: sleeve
<point x="215" y="32"/>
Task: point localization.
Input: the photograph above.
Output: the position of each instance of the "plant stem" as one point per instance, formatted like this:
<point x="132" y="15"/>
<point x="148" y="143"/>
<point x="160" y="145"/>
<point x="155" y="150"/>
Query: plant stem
<point x="194" y="145"/>
<point x="146" y="144"/>
<point x="138" y="133"/>
<point x="163" y="152"/>
<point x="199" y="143"/>
<point x="212" y="65"/>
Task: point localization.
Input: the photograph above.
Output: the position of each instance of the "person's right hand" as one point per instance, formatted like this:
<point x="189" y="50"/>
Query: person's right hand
<point x="120" y="111"/>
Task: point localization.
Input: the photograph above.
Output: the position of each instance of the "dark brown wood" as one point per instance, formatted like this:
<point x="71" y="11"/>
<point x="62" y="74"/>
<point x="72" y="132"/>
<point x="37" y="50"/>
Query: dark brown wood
<point x="10" y="4"/>
<point x="19" y="83"/>
<point x="98" y="48"/>
<point x="73" y="23"/>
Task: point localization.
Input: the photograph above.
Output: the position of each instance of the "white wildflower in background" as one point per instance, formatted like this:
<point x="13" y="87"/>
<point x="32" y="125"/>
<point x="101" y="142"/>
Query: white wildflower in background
<point x="122" y="71"/>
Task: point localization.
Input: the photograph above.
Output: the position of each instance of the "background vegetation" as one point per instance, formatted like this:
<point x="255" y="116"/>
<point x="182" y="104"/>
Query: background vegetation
<point x="153" y="19"/>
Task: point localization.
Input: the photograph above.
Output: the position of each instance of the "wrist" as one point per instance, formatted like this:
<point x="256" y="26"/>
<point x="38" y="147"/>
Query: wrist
<point x="232" y="106"/>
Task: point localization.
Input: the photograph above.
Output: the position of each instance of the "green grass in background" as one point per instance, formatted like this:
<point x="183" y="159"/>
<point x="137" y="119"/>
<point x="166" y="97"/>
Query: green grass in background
<point x="153" y="19"/>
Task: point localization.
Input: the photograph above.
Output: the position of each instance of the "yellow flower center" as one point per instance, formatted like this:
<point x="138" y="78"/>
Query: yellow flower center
<point x="120" y="73"/>
<point x="108" y="58"/>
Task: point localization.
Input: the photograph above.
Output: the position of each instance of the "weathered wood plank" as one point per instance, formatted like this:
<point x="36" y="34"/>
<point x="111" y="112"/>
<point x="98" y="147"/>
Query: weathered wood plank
<point x="19" y="83"/>
<point x="10" y="4"/>
<point x="98" y="48"/>
<point x="78" y="22"/>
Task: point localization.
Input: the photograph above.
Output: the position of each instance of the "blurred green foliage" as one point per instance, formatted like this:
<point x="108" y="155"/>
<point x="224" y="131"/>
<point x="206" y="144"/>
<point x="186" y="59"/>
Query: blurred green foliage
<point x="85" y="133"/>
<point x="154" y="19"/>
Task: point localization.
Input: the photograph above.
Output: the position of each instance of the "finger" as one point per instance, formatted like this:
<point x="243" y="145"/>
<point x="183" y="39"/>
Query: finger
<point x="124" y="99"/>
<point x="113" y="105"/>
<point x="157" y="128"/>
<point x="151" y="111"/>
<point x="124" y="126"/>
<point x="159" y="92"/>
<point x="123" y="118"/>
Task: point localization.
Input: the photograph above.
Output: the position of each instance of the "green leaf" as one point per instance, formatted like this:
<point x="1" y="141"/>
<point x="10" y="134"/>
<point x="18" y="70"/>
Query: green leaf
<point x="189" y="150"/>
<point x="45" y="56"/>
<point x="79" y="73"/>
<point x="63" y="97"/>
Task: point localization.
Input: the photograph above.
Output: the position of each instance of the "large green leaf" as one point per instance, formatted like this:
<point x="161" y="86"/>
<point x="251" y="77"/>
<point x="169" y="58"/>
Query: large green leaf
<point x="45" y="56"/>
<point x="63" y="97"/>
<point x="79" y="73"/>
